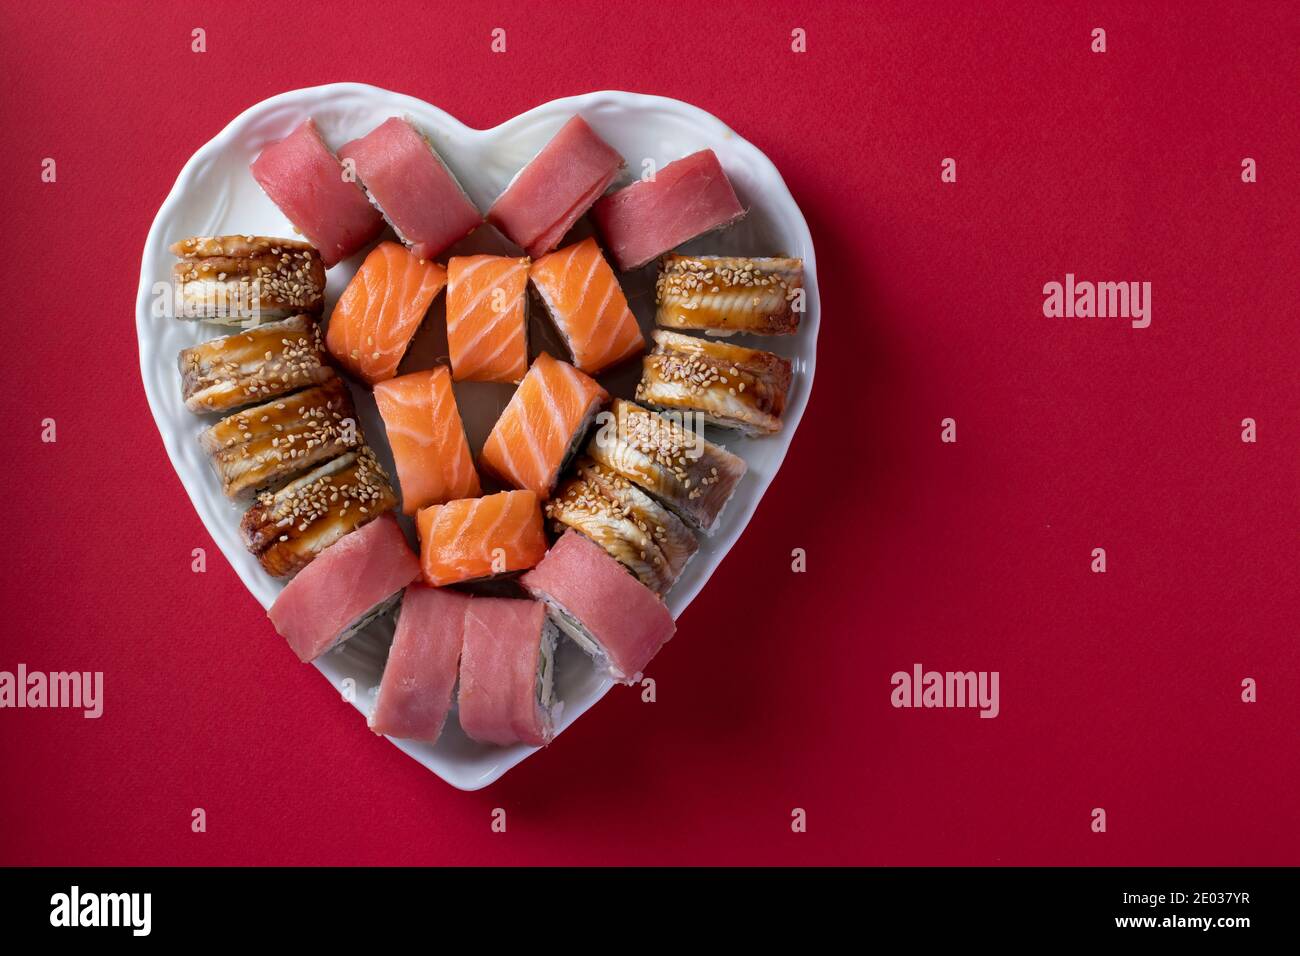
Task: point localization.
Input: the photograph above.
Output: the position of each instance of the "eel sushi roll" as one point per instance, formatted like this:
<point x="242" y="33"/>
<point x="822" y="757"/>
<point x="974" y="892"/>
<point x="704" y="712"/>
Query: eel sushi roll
<point x="587" y="306"/>
<point x="380" y="310"/>
<point x="288" y="528"/>
<point x="721" y="295"/>
<point x="420" y="675"/>
<point x="409" y="183"/>
<point x="545" y="422"/>
<point x="636" y="530"/>
<point x="507" y="667"/>
<point x="354" y="581"/>
<point x="235" y="280"/>
<point x="474" y="539"/>
<point x="254" y="365"/>
<point x="688" y="474"/>
<point x="427" y="438"/>
<point x="315" y="193"/>
<point x="487" y="318"/>
<point x="555" y="188"/>
<point x="612" y="616"/>
<point x="730" y="385"/>
<point x="260" y="446"/>
<point x="685" y="199"/>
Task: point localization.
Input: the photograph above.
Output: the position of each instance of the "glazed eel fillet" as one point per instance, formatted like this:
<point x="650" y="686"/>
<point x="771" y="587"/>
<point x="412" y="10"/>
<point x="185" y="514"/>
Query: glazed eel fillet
<point x="234" y="280"/>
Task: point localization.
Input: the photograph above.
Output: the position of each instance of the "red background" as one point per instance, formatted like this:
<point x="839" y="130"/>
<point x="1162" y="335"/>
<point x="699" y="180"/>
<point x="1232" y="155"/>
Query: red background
<point x="1119" y="690"/>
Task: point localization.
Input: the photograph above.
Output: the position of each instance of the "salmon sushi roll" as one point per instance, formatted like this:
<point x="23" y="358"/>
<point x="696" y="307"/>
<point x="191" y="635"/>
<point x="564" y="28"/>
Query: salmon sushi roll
<point x="544" y="424"/>
<point x="427" y="437"/>
<point x="588" y="307"/>
<point x="487" y="318"/>
<point x="415" y="692"/>
<point x="380" y="311"/>
<point x="638" y="532"/>
<point x="472" y="539"/>
<point x="611" y="615"/>
<point x="507" y="667"/>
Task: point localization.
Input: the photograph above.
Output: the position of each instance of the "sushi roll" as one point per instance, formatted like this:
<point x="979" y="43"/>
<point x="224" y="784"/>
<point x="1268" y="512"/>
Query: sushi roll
<point x="287" y="528"/>
<point x="637" y="531"/>
<point x="380" y="311"/>
<point x="238" y="280"/>
<point x="730" y="385"/>
<point x="587" y="306"/>
<point x="473" y="539"/>
<point x="427" y="438"/>
<point x="685" y="199"/>
<point x="507" y="673"/>
<point x="354" y="581"/>
<point x="420" y="675"/>
<point x="545" y="422"/>
<point x="252" y="366"/>
<point x="312" y="189"/>
<point x="409" y="183"/>
<point x="721" y="295"/>
<point x="557" y="186"/>
<point x="487" y="318"/>
<point x="266" y="444"/>
<point x="691" y="476"/>
<point x="612" y="616"/>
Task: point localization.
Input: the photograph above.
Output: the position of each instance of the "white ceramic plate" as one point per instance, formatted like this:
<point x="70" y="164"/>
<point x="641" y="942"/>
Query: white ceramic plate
<point x="215" y="194"/>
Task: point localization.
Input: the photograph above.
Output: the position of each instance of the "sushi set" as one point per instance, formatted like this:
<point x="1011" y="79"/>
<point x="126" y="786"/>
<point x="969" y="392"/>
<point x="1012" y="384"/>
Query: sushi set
<point x="476" y="413"/>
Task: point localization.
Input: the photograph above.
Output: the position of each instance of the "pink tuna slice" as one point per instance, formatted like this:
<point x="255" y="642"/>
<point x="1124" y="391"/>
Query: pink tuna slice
<point x="557" y="186"/>
<point x="347" y="581"/>
<point x="305" y="180"/>
<point x="409" y="182"/>
<point x="498" y="672"/>
<point x="687" y="198"/>
<point x="415" y="692"/>
<point x="625" y="617"/>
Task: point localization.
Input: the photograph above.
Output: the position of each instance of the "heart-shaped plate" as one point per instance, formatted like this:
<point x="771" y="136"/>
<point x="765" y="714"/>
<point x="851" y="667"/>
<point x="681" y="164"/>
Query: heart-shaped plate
<point x="215" y="195"/>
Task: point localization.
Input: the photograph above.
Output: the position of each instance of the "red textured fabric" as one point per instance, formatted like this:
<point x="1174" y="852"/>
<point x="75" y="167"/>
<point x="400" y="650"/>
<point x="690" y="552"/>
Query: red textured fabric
<point x="1118" y="691"/>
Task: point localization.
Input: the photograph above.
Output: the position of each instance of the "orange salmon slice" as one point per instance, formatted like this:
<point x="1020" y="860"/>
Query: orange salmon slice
<point x="474" y="538"/>
<point x="544" y="423"/>
<point x="428" y="439"/>
<point x="381" y="308"/>
<point x="587" y="305"/>
<point x="487" y="318"/>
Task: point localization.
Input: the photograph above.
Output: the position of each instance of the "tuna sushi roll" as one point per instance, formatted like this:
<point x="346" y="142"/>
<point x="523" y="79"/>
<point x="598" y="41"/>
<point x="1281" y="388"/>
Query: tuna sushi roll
<point x="409" y="183"/>
<point x="720" y="295"/>
<point x="686" y="199"/>
<point x="380" y="311"/>
<point x="557" y="186"/>
<point x="620" y="622"/>
<point x="637" y="531"/>
<point x="266" y="444"/>
<point x="587" y="305"/>
<point x="507" y="689"/>
<point x="427" y="438"/>
<point x="691" y="476"/>
<point x="415" y="691"/>
<point x="308" y="183"/>
<point x="354" y="581"/>
<point x="287" y="528"/>
<point x="259" y="363"/>
<point x="477" y="538"/>
<point x="235" y="280"/>
<point x="487" y="318"/>
<point x="545" y="422"/>
<point x="730" y="385"/>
